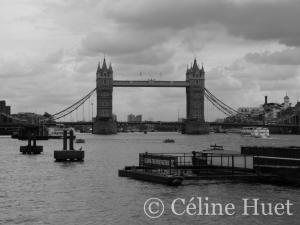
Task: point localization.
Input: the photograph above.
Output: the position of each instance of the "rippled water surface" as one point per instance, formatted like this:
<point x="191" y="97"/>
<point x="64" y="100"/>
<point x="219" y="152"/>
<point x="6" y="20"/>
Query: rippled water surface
<point x="36" y="190"/>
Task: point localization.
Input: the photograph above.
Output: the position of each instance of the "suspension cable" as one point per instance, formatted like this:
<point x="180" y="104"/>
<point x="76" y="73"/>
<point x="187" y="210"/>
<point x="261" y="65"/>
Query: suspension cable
<point x="221" y="102"/>
<point x="217" y="106"/>
<point x="213" y="100"/>
<point x="87" y="96"/>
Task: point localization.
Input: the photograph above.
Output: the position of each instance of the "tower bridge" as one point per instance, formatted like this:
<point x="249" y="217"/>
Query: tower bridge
<point x="195" y="90"/>
<point x="194" y="123"/>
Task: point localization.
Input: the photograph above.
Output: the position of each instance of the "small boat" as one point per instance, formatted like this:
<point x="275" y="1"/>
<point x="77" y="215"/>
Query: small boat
<point x="168" y="140"/>
<point x="79" y="140"/>
<point x="247" y="131"/>
<point x="57" y="132"/>
<point x="216" y="147"/>
<point x="261" y="132"/>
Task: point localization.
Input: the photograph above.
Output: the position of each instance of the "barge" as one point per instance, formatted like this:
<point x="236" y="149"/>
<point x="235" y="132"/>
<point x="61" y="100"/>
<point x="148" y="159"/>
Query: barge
<point x="259" y="164"/>
<point x="174" y="168"/>
<point x="283" y="162"/>
<point x="71" y="154"/>
<point x="141" y="173"/>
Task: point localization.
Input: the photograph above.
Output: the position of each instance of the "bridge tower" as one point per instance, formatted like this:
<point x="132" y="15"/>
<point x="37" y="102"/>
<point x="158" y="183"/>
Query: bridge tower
<point x="195" y="122"/>
<point x="104" y="123"/>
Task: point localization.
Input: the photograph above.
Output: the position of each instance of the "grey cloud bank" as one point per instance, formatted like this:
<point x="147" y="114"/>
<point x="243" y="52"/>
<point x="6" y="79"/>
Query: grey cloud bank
<point x="50" y="51"/>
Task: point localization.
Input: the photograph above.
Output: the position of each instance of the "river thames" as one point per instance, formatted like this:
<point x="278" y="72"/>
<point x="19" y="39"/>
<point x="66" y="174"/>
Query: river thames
<point x="36" y="190"/>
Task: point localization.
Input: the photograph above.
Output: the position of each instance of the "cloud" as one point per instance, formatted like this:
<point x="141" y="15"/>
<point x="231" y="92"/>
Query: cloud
<point x="50" y="50"/>
<point x="153" y="56"/>
<point x="254" y="20"/>
<point x="290" y="56"/>
<point x="118" y="42"/>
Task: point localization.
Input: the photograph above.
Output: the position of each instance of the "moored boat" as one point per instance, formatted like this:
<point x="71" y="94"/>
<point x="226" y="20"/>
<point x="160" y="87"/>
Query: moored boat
<point x="58" y="131"/>
<point x="79" y="140"/>
<point x="258" y="132"/>
<point x="168" y="140"/>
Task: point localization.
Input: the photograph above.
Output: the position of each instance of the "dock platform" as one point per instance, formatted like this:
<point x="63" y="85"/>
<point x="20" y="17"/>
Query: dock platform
<point x="68" y="155"/>
<point x="142" y="174"/>
<point x="202" y="165"/>
<point x="31" y="148"/>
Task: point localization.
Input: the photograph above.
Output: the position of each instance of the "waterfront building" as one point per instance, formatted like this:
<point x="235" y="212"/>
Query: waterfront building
<point x="134" y="118"/>
<point x="290" y="115"/>
<point x="28" y="117"/>
<point x="131" y="118"/>
<point x="138" y="118"/>
<point x="268" y="113"/>
<point x="181" y="119"/>
<point x="5" y="109"/>
<point x="286" y="102"/>
<point x="4" y="112"/>
<point x="273" y="111"/>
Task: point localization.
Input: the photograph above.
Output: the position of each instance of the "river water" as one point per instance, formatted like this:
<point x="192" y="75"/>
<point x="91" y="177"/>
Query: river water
<point x="36" y="190"/>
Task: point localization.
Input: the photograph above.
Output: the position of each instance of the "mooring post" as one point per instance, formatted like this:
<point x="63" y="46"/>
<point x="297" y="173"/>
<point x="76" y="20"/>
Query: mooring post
<point x="170" y="167"/>
<point x="29" y="140"/>
<point x="221" y="160"/>
<point x="34" y="140"/>
<point x="232" y="163"/>
<point x="71" y="140"/>
<point x="65" y="144"/>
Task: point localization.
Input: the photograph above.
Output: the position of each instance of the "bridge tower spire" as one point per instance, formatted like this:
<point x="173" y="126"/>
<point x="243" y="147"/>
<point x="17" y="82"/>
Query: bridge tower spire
<point x="104" y="123"/>
<point x="195" y="122"/>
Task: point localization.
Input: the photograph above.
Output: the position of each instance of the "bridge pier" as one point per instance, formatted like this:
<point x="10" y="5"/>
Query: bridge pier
<point x="195" y="127"/>
<point x="105" y="127"/>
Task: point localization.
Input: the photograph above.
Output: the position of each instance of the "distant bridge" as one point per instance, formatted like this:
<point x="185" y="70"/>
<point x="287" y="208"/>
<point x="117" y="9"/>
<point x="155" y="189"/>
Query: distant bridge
<point x="175" y="123"/>
<point x="160" y="125"/>
<point x="16" y="125"/>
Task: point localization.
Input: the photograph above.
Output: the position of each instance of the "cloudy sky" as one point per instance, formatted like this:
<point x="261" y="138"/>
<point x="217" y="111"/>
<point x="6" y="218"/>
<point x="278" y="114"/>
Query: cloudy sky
<point x="50" y="50"/>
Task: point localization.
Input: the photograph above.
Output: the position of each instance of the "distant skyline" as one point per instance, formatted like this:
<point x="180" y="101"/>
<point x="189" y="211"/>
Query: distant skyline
<point x="50" y="50"/>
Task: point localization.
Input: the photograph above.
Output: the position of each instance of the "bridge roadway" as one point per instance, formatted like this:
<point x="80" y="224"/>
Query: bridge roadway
<point x="149" y="83"/>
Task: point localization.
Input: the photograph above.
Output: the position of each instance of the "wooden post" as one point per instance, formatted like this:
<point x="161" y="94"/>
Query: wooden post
<point x="232" y="163"/>
<point x="34" y="140"/>
<point x="65" y="144"/>
<point x="71" y="140"/>
<point x="221" y="160"/>
<point x="29" y="140"/>
<point x="228" y="161"/>
<point x="170" y="166"/>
